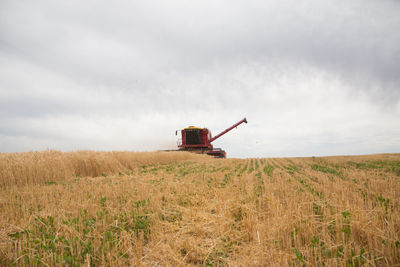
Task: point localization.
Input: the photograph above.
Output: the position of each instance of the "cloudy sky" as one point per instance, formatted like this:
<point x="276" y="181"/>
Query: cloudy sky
<point x="313" y="77"/>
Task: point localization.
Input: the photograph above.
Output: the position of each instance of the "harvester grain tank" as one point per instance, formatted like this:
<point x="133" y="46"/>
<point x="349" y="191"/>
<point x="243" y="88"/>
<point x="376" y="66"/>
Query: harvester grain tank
<point x="198" y="140"/>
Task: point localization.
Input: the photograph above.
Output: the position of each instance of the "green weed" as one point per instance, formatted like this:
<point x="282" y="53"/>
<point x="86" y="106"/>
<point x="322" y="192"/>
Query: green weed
<point x="325" y="169"/>
<point x="268" y="170"/>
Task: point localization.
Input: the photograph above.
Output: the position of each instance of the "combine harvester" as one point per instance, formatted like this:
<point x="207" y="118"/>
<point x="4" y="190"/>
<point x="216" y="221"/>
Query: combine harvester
<point x="198" y="140"/>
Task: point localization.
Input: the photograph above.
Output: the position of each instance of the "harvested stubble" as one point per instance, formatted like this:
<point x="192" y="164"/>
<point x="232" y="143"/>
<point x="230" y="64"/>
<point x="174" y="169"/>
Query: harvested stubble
<point x="185" y="209"/>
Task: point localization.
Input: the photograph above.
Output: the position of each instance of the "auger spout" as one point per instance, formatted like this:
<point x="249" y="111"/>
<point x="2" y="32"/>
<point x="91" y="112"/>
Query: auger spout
<point x="227" y="130"/>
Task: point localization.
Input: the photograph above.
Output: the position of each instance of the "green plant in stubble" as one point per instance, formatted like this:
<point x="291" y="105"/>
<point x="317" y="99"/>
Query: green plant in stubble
<point x="256" y="164"/>
<point x="226" y="180"/>
<point x="325" y="169"/>
<point x="300" y="257"/>
<point x="258" y="185"/>
<point x="346" y="225"/>
<point x="268" y="169"/>
<point x="251" y="168"/>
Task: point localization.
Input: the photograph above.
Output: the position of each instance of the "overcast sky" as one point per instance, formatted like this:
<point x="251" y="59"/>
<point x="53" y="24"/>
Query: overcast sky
<point x="313" y="77"/>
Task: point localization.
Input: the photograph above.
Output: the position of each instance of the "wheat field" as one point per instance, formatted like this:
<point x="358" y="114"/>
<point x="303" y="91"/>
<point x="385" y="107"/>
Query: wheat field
<point x="90" y="208"/>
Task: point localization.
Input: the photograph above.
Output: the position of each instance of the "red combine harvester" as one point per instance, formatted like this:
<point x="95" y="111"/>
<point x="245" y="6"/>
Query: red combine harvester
<point x="198" y="140"/>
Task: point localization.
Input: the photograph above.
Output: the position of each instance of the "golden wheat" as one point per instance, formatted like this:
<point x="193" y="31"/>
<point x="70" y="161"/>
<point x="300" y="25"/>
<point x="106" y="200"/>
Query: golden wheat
<point x="123" y="208"/>
<point x="50" y="166"/>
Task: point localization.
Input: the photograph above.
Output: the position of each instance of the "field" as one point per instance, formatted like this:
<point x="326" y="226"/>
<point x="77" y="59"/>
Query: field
<point x="178" y="209"/>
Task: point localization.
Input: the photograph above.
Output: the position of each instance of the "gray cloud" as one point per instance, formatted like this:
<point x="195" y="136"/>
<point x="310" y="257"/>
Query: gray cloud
<point x="313" y="78"/>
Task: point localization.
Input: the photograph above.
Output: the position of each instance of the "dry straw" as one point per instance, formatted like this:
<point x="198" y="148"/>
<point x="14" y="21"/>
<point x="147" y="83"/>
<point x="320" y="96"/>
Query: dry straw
<point x="179" y="209"/>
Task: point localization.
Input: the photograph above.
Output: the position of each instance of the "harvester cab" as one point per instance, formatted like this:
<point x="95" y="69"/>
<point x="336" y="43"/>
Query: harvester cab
<point x="198" y="140"/>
